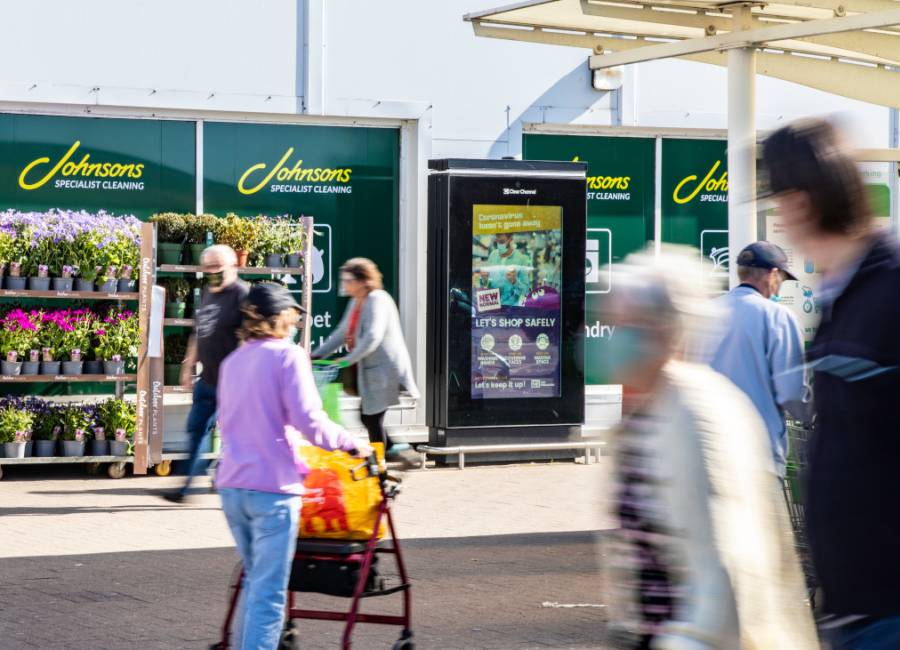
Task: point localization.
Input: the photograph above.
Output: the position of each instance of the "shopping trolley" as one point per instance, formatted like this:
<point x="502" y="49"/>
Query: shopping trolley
<point x="798" y="437"/>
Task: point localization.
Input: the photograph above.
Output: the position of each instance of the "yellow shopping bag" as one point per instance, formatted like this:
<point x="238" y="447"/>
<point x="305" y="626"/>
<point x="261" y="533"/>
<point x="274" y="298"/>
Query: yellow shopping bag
<point x="334" y="505"/>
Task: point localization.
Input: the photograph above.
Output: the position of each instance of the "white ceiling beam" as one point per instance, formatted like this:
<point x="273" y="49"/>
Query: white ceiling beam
<point x="882" y="46"/>
<point x="538" y="35"/>
<point x="749" y="38"/>
<point x="866" y="84"/>
<point x="841" y="7"/>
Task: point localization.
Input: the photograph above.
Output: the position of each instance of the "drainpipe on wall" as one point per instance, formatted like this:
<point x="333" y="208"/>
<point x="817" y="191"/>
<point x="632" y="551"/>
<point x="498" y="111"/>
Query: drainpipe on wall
<point x="314" y="56"/>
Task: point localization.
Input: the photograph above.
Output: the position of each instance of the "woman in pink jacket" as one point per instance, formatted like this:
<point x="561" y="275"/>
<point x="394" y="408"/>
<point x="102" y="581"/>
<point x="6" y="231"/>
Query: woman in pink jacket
<point x="267" y="401"/>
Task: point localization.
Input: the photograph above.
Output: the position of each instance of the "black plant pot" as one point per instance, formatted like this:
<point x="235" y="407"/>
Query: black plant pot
<point x="39" y="284"/>
<point x="16" y="283"/>
<point x="50" y="367"/>
<point x="126" y="286"/>
<point x="93" y="367"/>
<point x="84" y="285"/>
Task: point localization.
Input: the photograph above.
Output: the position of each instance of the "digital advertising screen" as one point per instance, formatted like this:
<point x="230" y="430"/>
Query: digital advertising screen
<point x="516" y="305"/>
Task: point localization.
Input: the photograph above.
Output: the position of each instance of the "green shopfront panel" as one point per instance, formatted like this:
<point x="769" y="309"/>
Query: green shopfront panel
<point x="346" y="178"/>
<point x="695" y="198"/>
<point x="123" y="166"/>
<point x="619" y="218"/>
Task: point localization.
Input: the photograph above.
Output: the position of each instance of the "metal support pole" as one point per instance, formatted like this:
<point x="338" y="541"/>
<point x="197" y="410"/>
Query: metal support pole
<point x="894" y="182"/>
<point x="741" y="145"/>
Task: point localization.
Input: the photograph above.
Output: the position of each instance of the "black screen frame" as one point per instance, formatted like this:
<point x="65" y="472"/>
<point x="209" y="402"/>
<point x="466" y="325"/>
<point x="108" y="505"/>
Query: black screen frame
<point x="465" y="192"/>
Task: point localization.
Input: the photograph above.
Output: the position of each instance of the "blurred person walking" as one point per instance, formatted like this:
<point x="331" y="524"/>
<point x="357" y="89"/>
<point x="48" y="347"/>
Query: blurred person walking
<point x="705" y="559"/>
<point x="853" y="473"/>
<point x="215" y="336"/>
<point x="267" y="400"/>
<point x="370" y="331"/>
<point x="761" y="351"/>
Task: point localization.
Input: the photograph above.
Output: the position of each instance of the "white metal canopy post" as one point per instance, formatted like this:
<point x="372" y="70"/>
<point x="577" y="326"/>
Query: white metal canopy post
<point x="741" y="144"/>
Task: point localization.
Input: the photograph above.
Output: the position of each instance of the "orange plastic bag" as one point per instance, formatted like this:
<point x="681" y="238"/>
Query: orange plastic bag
<point x="334" y="505"/>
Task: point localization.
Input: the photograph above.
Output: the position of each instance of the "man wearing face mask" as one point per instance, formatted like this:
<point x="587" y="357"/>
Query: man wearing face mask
<point x="217" y="321"/>
<point x="762" y="348"/>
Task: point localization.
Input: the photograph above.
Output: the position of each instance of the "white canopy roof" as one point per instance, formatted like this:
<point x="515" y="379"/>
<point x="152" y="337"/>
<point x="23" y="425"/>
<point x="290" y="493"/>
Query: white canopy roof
<point x="849" y="48"/>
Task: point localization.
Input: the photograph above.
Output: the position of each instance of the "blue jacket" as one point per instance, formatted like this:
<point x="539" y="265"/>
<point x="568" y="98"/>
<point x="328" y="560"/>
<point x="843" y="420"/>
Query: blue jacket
<point x="853" y="478"/>
<point x="761" y="352"/>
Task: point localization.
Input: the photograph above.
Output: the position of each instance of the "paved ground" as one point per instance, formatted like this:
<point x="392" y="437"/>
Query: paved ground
<point x="496" y="554"/>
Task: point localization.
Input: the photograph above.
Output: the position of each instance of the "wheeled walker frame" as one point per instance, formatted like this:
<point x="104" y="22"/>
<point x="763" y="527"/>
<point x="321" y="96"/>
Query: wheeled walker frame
<point x="354" y="557"/>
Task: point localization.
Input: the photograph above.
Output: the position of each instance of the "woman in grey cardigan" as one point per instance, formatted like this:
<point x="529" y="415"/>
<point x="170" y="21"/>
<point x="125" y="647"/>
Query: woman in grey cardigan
<point x="370" y="330"/>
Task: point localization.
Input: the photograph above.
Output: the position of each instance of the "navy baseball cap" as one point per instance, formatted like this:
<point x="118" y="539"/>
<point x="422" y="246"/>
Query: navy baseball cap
<point x="765" y="255"/>
<point x="270" y="299"/>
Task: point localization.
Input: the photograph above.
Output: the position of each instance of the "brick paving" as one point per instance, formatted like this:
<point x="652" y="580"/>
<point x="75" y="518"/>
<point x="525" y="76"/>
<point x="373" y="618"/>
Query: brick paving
<point x="92" y="563"/>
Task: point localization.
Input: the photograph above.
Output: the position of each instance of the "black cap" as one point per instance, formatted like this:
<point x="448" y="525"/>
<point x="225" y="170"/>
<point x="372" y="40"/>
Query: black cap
<point x="270" y="299"/>
<point x="765" y="255"/>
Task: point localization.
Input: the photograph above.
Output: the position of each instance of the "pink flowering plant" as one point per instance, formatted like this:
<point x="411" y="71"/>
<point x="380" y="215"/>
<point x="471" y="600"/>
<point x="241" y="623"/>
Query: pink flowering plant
<point x="77" y="327"/>
<point x="18" y="334"/>
<point x="117" y="335"/>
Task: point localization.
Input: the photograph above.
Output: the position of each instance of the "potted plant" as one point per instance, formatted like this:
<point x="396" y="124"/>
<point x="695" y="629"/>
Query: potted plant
<point x="177" y="290"/>
<point x="118" y="336"/>
<point x="171" y="230"/>
<point x="76" y="422"/>
<point x="239" y="233"/>
<point x="175" y="351"/>
<point x="67" y="281"/>
<point x="202" y="232"/>
<point x="75" y="339"/>
<point x="295" y="240"/>
<point x="48" y="426"/>
<point x="15" y="281"/>
<point x="127" y="284"/>
<point x="41" y="281"/>
<point x="17" y="336"/>
<point x="7" y="246"/>
<point x="50" y="336"/>
<point x="84" y="256"/>
<point x="119" y="421"/>
<point x="15" y="430"/>
<point x="269" y="245"/>
<point x="31" y="365"/>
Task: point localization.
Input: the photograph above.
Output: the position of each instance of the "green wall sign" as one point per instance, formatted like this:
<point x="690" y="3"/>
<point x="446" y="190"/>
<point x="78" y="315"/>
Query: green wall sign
<point x="695" y="198"/>
<point x="119" y="165"/>
<point x="620" y="191"/>
<point x="346" y="178"/>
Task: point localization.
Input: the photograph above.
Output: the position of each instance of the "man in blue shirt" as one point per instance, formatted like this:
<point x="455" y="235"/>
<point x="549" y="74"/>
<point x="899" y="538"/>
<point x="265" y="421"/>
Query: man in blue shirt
<point x="762" y="348"/>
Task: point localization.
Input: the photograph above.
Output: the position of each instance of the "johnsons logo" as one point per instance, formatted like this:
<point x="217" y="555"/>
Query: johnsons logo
<point x="713" y="189"/>
<point x="605" y="184"/>
<point x="291" y="179"/>
<point x="81" y="174"/>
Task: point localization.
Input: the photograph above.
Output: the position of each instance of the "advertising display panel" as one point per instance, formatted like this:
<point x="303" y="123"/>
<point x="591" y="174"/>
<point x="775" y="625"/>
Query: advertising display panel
<point x="516" y="277"/>
<point x="506" y="296"/>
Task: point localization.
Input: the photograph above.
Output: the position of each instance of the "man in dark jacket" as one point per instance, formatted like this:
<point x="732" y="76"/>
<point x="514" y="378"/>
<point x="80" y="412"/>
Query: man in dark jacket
<point x="853" y="479"/>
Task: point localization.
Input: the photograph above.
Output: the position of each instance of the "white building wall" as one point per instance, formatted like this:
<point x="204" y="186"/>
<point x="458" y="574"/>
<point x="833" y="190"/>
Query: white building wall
<point x="250" y="56"/>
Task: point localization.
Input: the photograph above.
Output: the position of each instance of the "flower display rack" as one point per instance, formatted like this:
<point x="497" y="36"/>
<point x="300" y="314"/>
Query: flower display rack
<point x="135" y="251"/>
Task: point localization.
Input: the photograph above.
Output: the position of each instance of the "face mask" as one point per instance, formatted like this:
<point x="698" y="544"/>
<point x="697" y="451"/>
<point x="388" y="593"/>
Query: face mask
<point x="628" y="347"/>
<point x="342" y="290"/>
<point x="214" y="280"/>
<point x="292" y="333"/>
<point x="502" y="248"/>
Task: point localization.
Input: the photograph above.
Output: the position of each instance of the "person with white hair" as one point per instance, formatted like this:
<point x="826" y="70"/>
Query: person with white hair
<point x="215" y="336"/>
<point x="704" y="557"/>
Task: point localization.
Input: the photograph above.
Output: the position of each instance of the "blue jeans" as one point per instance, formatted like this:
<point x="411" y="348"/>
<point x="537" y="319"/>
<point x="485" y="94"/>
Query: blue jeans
<point x="200" y="422"/>
<point x="878" y="634"/>
<point x="264" y="526"/>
